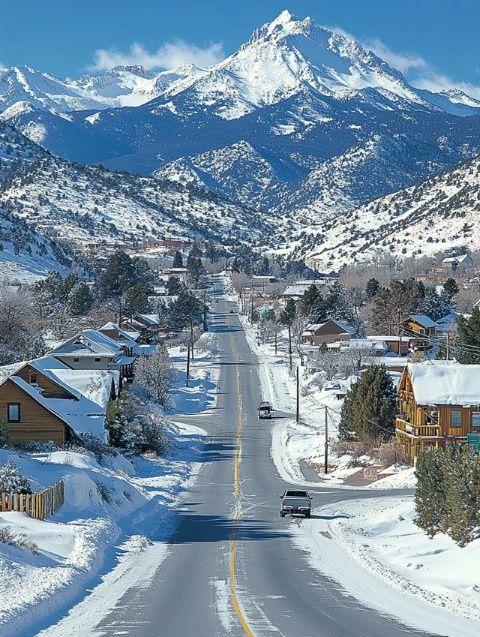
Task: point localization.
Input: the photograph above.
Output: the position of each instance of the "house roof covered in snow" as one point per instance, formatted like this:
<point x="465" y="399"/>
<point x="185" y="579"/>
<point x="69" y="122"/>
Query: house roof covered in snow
<point x="96" y="385"/>
<point x="461" y="258"/>
<point x="89" y="342"/>
<point x="423" y="320"/>
<point x="359" y="344"/>
<point x="83" y="416"/>
<point x="149" y="319"/>
<point x="437" y="383"/>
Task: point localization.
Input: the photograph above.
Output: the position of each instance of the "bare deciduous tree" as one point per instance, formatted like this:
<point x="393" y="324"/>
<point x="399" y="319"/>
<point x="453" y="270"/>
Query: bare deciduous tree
<point x="155" y="375"/>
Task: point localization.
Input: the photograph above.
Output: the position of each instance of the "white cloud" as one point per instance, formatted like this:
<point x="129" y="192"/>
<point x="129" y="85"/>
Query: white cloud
<point x="416" y="69"/>
<point x="436" y="82"/>
<point x="404" y="62"/>
<point x="168" y="56"/>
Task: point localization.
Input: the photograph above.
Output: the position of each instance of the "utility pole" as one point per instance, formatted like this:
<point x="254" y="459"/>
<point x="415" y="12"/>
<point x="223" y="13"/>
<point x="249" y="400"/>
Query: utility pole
<point x="205" y="326"/>
<point x="326" y="441"/>
<point x="276" y="344"/>
<point x="290" y="347"/>
<point x="191" y="337"/>
<point x="297" y="418"/>
<point x="251" y="309"/>
<point x="448" y="346"/>
<point x="188" y="364"/>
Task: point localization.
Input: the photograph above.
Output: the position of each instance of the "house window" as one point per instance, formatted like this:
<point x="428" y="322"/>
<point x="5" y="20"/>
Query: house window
<point x="76" y="360"/>
<point x="13" y="412"/>
<point x="456" y="418"/>
<point x="476" y="419"/>
<point x="432" y="418"/>
<point x="98" y="360"/>
<point x="33" y="379"/>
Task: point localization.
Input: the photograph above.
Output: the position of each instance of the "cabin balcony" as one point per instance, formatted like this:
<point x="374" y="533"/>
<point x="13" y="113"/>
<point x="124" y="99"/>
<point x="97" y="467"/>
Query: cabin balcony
<point x="404" y="427"/>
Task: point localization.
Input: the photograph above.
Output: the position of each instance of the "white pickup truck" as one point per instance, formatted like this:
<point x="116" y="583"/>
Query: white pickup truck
<point x="293" y="501"/>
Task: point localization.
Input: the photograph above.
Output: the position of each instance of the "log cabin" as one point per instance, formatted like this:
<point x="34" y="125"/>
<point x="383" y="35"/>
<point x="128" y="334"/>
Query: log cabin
<point x="438" y="405"/>
<point x="44" y="400"/>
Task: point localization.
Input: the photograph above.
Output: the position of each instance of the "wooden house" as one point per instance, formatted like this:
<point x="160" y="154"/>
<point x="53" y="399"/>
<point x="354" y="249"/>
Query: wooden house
<point x="331" y="331"/>
<point x="438" y="405"/>
<point x="42" y="403"/>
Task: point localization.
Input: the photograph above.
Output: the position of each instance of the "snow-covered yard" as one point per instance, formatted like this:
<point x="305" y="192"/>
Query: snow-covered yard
<point x="374" y="549"/>
<point x="120" y="503"/>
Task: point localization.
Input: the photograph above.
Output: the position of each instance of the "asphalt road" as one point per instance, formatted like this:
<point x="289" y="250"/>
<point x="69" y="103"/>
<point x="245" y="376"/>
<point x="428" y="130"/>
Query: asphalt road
<point x="230" y="545"/>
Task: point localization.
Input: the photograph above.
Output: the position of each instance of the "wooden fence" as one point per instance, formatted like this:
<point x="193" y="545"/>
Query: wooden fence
<point x="37" y="505"/>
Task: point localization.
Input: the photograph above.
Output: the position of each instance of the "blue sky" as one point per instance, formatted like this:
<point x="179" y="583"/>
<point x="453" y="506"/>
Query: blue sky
<point x="435" y="41"/>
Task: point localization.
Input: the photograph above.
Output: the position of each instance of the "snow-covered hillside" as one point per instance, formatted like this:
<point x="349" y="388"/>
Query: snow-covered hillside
<point x="439" y="213"/>
<point x="25" y="255"/>
<point x="83" y="204"/>
<point x="16" y="151"/>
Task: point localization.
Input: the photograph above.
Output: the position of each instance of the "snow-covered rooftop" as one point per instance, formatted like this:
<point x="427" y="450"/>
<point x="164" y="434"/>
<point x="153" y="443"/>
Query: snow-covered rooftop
<point x="82" y="416"/>
<point x="423" y="320"/>
<point x="445" y="383"/>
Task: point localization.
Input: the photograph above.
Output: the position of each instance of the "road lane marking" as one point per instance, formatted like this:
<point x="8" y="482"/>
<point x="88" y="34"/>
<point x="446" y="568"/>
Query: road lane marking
<point x="238" y="505"/>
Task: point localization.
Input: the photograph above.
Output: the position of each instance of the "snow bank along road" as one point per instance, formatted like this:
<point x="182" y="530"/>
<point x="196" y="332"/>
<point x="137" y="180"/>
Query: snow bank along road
<point x="231" y="566"/>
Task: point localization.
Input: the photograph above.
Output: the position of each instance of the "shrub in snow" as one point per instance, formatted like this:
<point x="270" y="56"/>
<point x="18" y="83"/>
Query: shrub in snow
<point x="8" y="537"/>
<point x="37" y="446"/>
<point x="149" y="429"/>
<point x="96" y="446"/>
<point x="12" y="481"/>
<point x="4" y="434"/>
<point x="103" y="491"/>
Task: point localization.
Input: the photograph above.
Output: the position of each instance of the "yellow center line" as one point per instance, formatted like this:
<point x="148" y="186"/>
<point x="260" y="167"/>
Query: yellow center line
<point x="238" y="511"/>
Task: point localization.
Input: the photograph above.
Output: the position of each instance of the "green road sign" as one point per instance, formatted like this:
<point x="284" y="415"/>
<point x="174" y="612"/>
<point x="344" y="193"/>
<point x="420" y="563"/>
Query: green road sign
<point x="474" y="440"/>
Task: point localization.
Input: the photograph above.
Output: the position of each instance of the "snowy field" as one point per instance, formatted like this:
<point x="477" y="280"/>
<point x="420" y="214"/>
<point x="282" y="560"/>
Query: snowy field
<point x="373" y="548"/>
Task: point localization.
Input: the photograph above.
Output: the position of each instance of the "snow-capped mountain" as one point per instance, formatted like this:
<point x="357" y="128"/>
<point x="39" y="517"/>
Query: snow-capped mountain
<point x="437" y="214"/>
<point x="271" y="124"/>
<point x="117" y="87"/>
<point x="301" y="123"/>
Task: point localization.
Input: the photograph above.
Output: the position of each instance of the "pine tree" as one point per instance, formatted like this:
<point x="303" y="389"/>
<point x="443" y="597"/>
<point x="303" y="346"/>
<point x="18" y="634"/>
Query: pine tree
<point x="12" y="481"/>
<point x="309" y="299"/>
<point x="435" y="305"/>
<point x="462" y="498"/>
<point x="450" y="287"/>
<point x="468" y="330"/>
<point x="373" y="288"/>
<point x="430" y="492"/>
<point x="80" y="299"/>
<point x="368" y="411"/>
<point x="136" y="299"/>
<point x="177" y="260"/>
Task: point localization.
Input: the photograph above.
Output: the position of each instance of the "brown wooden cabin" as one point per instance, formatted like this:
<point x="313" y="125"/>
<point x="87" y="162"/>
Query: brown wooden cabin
<point x="27" y="419"/>
<point x="438" y="404"/>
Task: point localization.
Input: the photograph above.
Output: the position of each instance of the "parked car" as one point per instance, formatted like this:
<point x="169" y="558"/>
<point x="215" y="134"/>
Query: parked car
<point x="265" y="409"/>
<point x="293" y="501"/>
